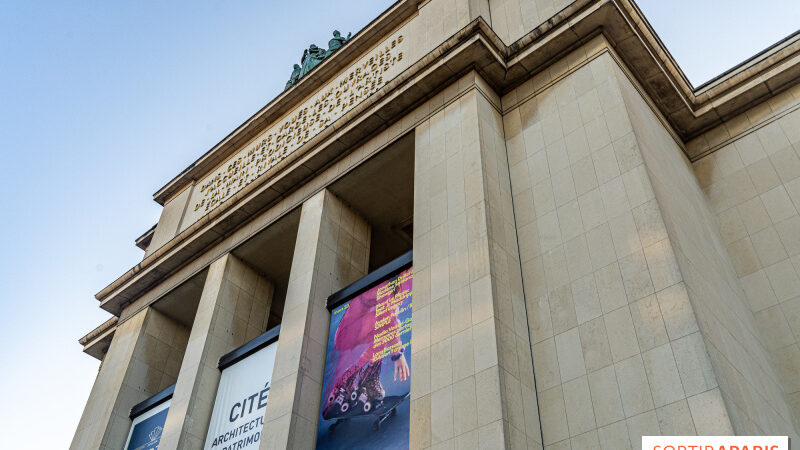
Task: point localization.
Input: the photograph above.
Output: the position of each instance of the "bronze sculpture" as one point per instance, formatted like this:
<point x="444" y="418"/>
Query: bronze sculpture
<point x="337" y="42"/>
<point x="294" y="77"/>
<point x="314" y="55"/>
<point x="311" y="58"/>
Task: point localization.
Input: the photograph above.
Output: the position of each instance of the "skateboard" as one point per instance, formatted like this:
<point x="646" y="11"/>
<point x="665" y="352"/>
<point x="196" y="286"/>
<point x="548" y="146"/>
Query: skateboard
<point x="382" y="410"/>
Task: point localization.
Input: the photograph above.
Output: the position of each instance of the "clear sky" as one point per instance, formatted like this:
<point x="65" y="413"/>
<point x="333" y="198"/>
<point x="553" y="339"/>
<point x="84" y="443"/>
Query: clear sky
<point x="102" y="103"/>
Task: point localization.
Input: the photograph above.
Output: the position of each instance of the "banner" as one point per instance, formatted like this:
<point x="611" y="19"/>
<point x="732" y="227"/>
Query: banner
<point x="366" y="384"/>
<point x="146" y="429"/>
<point x="238" y="414"/>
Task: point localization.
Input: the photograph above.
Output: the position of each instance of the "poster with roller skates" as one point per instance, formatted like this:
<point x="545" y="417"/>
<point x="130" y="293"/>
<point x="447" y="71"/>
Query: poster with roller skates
<point x="366" y="384"/>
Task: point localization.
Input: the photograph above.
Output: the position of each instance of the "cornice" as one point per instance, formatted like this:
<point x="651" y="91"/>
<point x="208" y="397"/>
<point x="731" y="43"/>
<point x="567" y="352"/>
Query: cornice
<point x="144" y="240"/>
<point x="692" y="111"/>
<point x="96" y="342"/>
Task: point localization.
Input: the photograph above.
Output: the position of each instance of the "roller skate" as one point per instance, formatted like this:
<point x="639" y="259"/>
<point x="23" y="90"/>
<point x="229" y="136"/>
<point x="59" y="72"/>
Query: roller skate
<point x="341" y="399"/>
<point x="371" y="392"/>
<point x="338" y="397"/>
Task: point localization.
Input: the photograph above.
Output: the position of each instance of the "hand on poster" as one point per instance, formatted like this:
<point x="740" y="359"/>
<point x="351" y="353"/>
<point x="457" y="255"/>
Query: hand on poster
<point x="401" y="369"/>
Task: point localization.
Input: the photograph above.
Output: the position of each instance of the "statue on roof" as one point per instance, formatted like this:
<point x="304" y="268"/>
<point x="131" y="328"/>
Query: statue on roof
<point x="311" y="58"/>
<point x="314" y="55"/>
<point x="294" y="77"/>
<point x="337" y="42"/>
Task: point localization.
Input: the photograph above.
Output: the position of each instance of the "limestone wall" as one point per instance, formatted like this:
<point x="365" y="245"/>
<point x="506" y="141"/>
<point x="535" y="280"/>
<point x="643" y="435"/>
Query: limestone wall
<point x="753" y="184"/>
<point x="512" y="19"/>
<point x="170" y="220"/>
<point x="747" y="378"/>
<point x="472" y="382"/>
<point x="609" y="313"/>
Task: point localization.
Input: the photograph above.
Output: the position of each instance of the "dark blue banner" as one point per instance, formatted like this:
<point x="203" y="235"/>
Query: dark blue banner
<point x="146" y="433"/>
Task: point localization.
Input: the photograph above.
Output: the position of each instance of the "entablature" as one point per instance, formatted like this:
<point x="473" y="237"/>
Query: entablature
<point x="475" y="47"/>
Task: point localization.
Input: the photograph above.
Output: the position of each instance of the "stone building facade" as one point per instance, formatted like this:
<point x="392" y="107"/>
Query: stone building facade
<point x="601" y="250"/>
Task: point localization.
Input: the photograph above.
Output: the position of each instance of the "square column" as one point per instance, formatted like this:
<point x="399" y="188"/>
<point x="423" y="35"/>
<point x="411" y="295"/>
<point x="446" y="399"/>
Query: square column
<point x="234" y="308"/>
<point x="332" y="251"/>
<point x="472" y="376"/>
<point x="143" y="359"/>
<point x="617" y="349"/>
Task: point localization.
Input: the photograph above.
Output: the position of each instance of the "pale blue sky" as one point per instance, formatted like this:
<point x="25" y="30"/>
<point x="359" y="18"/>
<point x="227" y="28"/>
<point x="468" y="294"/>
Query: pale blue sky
<point x="102" y="103"/>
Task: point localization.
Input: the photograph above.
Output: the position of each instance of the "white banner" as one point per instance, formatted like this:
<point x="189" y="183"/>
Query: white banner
<point x="146" y="429"/>
<point x="238" y="415"/>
